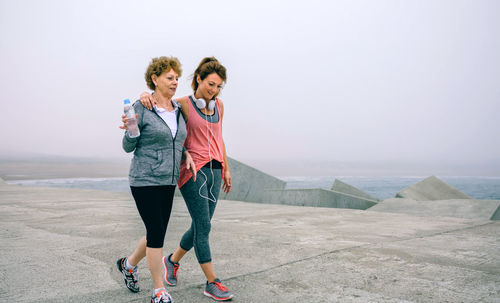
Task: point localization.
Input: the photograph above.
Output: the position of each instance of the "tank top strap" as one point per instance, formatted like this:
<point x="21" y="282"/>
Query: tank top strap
<point x="217" y="103"/>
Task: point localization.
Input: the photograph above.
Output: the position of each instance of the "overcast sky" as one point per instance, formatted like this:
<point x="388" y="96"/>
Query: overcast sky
<point x="340" y="81"/>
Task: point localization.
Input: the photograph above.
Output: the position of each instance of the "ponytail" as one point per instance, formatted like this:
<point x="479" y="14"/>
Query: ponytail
<point x="207" y="66"/>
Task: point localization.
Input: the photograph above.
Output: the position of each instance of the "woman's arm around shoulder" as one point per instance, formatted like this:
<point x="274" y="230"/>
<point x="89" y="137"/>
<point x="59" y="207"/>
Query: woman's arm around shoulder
<point x="147" y="100"/>
<point x="184" y="103"/>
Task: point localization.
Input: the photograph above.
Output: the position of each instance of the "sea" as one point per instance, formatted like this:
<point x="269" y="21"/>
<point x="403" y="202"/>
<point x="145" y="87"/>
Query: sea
<point x="483" y="188"/>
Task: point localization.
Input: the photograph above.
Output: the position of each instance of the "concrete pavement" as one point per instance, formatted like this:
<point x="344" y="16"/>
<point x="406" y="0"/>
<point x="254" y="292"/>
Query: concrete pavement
<point x="61" y="245"/>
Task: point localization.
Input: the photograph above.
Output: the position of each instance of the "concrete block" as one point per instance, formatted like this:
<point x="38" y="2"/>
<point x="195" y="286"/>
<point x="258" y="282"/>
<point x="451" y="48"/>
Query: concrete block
<point x="431" y="188"/>
<point x="496" y="214"/>
<point x="345" y="188"/>
<point x="315" y="197"/>
<point x="248" y="183"/>
<point x="458" y="208"/>
<point x="252" y="185"/>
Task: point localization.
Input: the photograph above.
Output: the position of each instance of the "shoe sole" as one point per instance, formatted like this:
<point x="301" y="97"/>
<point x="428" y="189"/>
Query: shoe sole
<point x="206" y="293"/>
<point x="118" y="265"/>
<point x="166" y="272"/>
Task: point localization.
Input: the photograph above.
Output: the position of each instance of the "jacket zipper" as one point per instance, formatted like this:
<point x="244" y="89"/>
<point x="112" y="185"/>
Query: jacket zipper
<point x="173" y="139"/>
<point x="173" y="144"/>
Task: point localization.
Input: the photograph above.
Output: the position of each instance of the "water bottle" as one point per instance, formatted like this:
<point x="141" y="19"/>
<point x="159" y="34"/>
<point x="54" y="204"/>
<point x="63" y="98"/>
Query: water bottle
<point x="128" y="109"/>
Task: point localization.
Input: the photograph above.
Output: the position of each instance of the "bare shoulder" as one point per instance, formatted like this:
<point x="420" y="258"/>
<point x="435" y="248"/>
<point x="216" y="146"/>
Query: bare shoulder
<point x="183" y="102"/>
<point x="221" y="105"/>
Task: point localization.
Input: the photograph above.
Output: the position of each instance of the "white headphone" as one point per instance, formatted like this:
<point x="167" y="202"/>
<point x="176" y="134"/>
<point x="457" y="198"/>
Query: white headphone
<point x="200" y="103"/>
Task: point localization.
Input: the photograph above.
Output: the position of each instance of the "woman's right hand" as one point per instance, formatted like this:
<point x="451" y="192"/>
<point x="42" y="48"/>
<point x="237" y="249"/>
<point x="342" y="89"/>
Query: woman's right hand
<point x="125" y="119"/>
<point x="147" y="100"/>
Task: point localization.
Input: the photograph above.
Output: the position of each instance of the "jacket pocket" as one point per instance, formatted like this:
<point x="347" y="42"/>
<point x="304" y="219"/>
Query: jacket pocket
<point x="164" y="164"/>
<point x="142" y="162"/>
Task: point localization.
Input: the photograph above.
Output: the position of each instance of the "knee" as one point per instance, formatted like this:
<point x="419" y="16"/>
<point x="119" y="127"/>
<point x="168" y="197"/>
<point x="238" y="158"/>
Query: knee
<point x="203" y="228"/>
<point x="154" y="242"/>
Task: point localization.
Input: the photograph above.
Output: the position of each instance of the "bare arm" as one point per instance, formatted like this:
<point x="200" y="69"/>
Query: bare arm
<point x="184" y="107"/>
<point x="228" y="181"/>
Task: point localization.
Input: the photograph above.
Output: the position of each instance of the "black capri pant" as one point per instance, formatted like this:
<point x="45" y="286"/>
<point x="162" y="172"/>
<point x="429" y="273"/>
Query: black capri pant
<point x="155" y="205"/>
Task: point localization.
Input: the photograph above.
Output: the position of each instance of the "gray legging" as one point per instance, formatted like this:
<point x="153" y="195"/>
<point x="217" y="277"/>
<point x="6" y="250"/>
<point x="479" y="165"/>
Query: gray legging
<point x="201" y="209"/>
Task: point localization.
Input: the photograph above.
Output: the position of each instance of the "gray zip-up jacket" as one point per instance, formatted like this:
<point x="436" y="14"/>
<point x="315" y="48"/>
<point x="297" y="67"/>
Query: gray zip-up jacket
<point x="157" y="155"/>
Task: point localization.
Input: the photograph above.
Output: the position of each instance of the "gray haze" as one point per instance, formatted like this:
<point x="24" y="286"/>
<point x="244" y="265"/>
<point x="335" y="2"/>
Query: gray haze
<point x="308" y="81"/>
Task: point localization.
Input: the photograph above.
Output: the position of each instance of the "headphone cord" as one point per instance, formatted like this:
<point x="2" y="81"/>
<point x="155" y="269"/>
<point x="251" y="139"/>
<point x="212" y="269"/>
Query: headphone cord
<point x="211" y="169"/>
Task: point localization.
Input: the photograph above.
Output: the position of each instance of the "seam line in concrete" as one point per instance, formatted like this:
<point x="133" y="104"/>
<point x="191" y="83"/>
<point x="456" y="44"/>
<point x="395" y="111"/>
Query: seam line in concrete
<point x="352" y="248"/>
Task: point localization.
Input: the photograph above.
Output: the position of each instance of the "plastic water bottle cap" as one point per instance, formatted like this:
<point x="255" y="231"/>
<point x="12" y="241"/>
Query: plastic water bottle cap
<point x="126" y="101"/>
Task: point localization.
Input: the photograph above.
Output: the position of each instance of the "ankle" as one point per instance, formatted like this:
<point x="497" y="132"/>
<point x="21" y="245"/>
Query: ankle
<point x="172" y="259"/>
<point x="129" y="265"/>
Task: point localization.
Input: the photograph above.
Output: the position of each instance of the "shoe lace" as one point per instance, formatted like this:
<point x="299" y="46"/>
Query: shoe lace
<point x="133" y="274"/>
<point x="220" y="286"/>
<point x="163" y="296"/>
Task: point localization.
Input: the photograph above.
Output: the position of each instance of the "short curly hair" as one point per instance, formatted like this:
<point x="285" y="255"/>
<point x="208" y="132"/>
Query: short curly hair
<point x="160" y="65"/>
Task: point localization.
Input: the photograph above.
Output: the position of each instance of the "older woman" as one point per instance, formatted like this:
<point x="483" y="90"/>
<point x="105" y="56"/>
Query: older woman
<point x="204" y="112"/>
<point x="154" y="170"/>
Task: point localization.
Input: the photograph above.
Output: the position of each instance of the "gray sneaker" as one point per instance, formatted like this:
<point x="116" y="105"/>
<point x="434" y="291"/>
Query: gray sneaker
<point x="171" y="269"/>
<point x="162" y="297"/>
<point x="217" y="291"/>
<point x="130" y="276"/>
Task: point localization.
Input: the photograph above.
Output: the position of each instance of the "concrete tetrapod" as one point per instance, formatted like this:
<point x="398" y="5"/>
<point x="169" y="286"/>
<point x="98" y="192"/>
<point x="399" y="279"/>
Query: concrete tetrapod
<point x="431" y="188"/>
<point x="249" y="183"/>
<point x="345" y="188"/>
<point x="457" y="208"/>
<point x="315" y="197"/>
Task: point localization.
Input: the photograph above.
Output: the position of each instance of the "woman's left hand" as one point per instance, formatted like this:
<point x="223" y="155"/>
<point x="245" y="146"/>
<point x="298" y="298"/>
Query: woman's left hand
<point x="228" y="182"/>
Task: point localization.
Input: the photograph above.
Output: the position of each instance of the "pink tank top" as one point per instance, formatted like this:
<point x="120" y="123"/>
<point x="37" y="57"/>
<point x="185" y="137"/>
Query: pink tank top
<point x="199" y="133"/>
